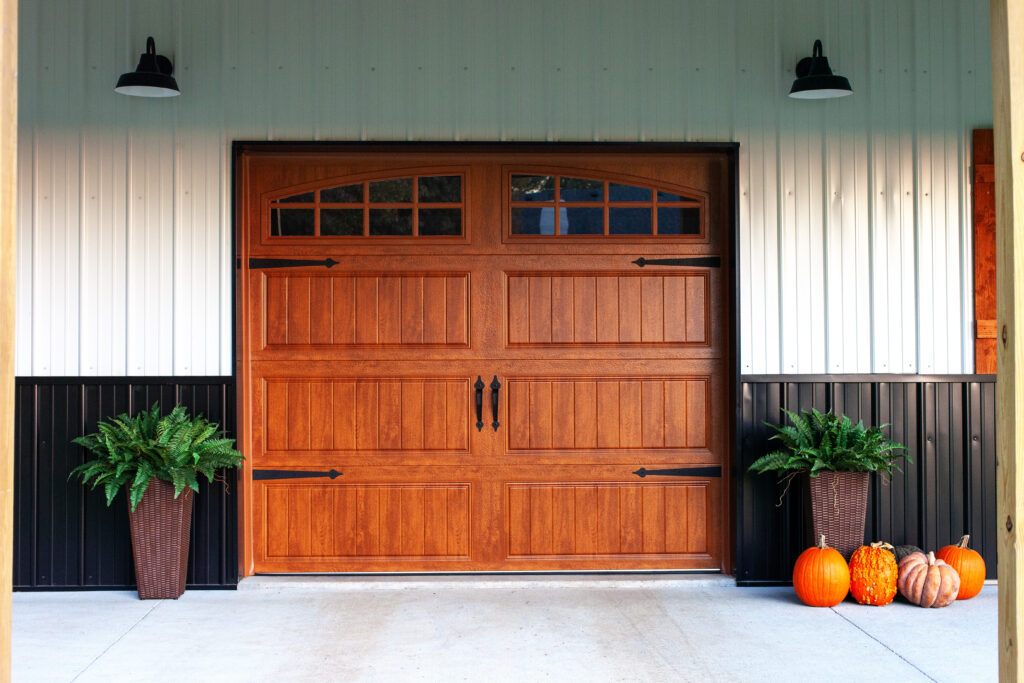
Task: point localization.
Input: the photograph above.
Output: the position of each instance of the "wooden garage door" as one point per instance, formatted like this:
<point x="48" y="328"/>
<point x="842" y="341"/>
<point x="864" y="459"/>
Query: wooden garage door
<point x="480" y="361"/>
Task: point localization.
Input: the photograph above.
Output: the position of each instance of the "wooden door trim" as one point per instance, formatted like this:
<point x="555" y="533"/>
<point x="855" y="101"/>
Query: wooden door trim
<point x="241" y="376"/>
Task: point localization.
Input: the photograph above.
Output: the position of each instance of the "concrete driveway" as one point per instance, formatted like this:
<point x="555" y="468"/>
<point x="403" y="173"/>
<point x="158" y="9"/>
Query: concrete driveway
<point x="509" y="628"/>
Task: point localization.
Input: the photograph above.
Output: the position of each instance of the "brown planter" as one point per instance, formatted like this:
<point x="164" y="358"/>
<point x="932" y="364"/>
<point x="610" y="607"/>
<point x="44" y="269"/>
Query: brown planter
<point x="839" y="505"/>
<point x="160" y="528"/>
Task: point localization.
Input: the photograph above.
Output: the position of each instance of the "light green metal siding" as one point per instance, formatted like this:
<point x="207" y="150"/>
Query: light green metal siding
<point x="855" y="242"/>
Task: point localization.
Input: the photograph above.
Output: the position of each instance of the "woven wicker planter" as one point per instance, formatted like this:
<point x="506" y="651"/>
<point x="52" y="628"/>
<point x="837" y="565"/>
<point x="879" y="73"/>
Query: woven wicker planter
<point x="839" y="505"/>
<point x="160" y="528"/>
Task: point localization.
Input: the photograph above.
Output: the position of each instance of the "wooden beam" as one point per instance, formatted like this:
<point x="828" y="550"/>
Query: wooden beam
<point x="8" y="228"/>
<point x="1007" y="26"/>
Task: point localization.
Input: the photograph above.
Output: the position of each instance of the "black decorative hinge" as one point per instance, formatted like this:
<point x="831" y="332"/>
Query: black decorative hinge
<point x="698" y="261"/>
<point x="289" y="262"/>
<point x="682" y="472"/>
<point x="259" y="475"/>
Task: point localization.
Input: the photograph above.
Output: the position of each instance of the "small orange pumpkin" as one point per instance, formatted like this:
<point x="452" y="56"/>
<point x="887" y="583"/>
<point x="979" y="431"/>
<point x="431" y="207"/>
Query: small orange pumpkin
<point x="926" y="581"/>
<point x="969" y="564"/>
<point x="873" y="574"/>
<point x="820" y="576"/>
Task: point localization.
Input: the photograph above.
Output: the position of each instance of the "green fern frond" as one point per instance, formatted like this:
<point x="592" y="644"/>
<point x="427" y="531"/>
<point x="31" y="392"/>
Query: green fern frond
<point x="814" y="442"/>
<point x="129" y="451"/>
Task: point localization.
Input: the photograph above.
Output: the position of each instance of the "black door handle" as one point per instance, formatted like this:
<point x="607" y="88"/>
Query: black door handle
<point x="479" y="386"/>
<point x="495" y="388"/>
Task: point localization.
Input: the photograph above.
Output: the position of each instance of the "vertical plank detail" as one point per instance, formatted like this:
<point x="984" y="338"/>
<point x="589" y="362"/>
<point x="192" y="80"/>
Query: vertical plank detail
<point x="346" y="309"/>
<point x="314" y="521"/>
<point x="608" y="413"/>
<point x="607" y="308"/>
<point x="367" y="414"/>
<point x="606" y="519"/>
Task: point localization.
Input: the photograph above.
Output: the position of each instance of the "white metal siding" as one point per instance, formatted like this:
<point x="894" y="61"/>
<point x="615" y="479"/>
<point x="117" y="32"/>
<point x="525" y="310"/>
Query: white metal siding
<point x="854" y="213"/>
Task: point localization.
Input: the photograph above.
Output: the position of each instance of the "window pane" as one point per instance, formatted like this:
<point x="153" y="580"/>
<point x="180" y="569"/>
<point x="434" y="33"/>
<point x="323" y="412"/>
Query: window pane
<point x="346" y="194"/>
<point x="527" y="221"/>
<point x="678" y="221"/>
<point x="629" y="221"/>
<point x="304" y="197"/>
<point x="580" y="190"/>
<point x="291" y="222"/>
<point x="390" y="221"/>
<point x="440" y="221"/>
<point x="533" y="188"/>
<point x="441" y="188"/>
<point x="669" y="197"/>
<point x="583" y="221"/>
<point x="341" y="222"/>
<point x="629" y="193"/>
<point x="398" y="190"/>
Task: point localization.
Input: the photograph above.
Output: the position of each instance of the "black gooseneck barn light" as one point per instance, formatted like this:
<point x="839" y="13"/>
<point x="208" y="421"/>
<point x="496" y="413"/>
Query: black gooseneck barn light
<point x="151" y="78"/>
<point x="815" y="80"/>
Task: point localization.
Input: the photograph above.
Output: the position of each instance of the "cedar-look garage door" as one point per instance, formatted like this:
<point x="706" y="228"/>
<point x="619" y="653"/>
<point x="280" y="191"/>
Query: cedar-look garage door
<point x="468" y="361"/>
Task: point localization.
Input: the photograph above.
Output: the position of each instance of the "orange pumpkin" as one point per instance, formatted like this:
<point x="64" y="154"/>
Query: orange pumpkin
<point x="873" y="574"/>
<point x="820" y="576"/>
<point x="927" y="582"/>
<point x="968" y="563"/>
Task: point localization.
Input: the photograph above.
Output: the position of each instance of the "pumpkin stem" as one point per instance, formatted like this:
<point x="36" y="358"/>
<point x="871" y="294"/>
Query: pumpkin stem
<point x="821" y="543"/>
<point x="931" y="557"/>
<point x="963" y="541"/>
<point x="882" y="544"/>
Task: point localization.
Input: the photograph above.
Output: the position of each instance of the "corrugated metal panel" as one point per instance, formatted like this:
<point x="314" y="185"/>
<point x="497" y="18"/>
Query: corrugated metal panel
<point x="65" y="535"/>
<point x="854" y="245"/>
<point x="946" y="423"/>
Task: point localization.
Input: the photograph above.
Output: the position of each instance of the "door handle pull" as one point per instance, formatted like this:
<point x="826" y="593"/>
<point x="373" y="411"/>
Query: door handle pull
<point x="479" y="386"/>
<point x="495" y="389"/>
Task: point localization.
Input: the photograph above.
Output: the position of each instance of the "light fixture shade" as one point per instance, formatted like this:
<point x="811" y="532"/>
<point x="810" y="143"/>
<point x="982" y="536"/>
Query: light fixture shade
<point x="815" y="80"/>
<point x="151" y="78"/>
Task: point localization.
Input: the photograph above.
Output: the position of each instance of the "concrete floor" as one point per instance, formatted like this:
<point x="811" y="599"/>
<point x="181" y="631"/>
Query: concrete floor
<point x="521" y="629"/>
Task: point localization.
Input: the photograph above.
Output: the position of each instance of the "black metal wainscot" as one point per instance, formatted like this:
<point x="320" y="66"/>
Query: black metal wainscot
<point x="65" y="536"/>
<point x="948" y="424"/>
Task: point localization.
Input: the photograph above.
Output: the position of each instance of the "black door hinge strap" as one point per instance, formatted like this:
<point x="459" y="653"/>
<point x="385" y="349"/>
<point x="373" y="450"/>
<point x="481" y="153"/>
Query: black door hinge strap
<point x="715" y="471"/>
<point x="262" y="475"/>
<point x="697" y="261"/>
<point x="289" y="263"/>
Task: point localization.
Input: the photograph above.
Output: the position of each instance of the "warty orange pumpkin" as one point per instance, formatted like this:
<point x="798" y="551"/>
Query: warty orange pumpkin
<point x="926" y="581"/>
<point x="969" y="565"/>
<point x="873" y="574"/>
<point x="821" y="577"/>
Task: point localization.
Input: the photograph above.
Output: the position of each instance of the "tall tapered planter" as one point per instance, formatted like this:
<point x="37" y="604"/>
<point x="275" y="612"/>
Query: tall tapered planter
<point x="160" y="528"/>
<point x="839" y="506"/>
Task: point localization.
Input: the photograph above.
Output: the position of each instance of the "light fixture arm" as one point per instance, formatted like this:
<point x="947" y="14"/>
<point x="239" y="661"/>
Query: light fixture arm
<point x="151" y="61"/>
<point x="813" y="64"/>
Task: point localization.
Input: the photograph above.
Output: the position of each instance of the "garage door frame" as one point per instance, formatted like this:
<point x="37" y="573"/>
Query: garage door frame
<point x="239" y="311"/>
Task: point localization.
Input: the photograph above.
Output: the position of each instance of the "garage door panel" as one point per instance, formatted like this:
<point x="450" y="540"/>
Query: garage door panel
<point x="607" y="413"/>
<point x="367" y="414"/>
<point x="365" y="309"/>
<point x="361" y="521"/>
<point x="640" y="309"/>
<point x="607" y="519"/>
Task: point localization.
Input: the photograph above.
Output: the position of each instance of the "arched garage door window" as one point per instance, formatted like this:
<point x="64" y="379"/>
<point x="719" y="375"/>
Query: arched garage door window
<point x="551" y="204"/>
<point x="410" y="206"/>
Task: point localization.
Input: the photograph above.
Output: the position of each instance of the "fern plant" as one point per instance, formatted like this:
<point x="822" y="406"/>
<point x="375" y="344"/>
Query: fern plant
<point x="817" y="442"/>
<point x="174" y="447"/>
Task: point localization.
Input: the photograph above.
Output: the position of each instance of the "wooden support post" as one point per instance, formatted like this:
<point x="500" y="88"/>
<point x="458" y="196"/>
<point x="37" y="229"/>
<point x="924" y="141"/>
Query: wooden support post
<point x="1007" y="26"/>
<point x="8" y="228"/>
